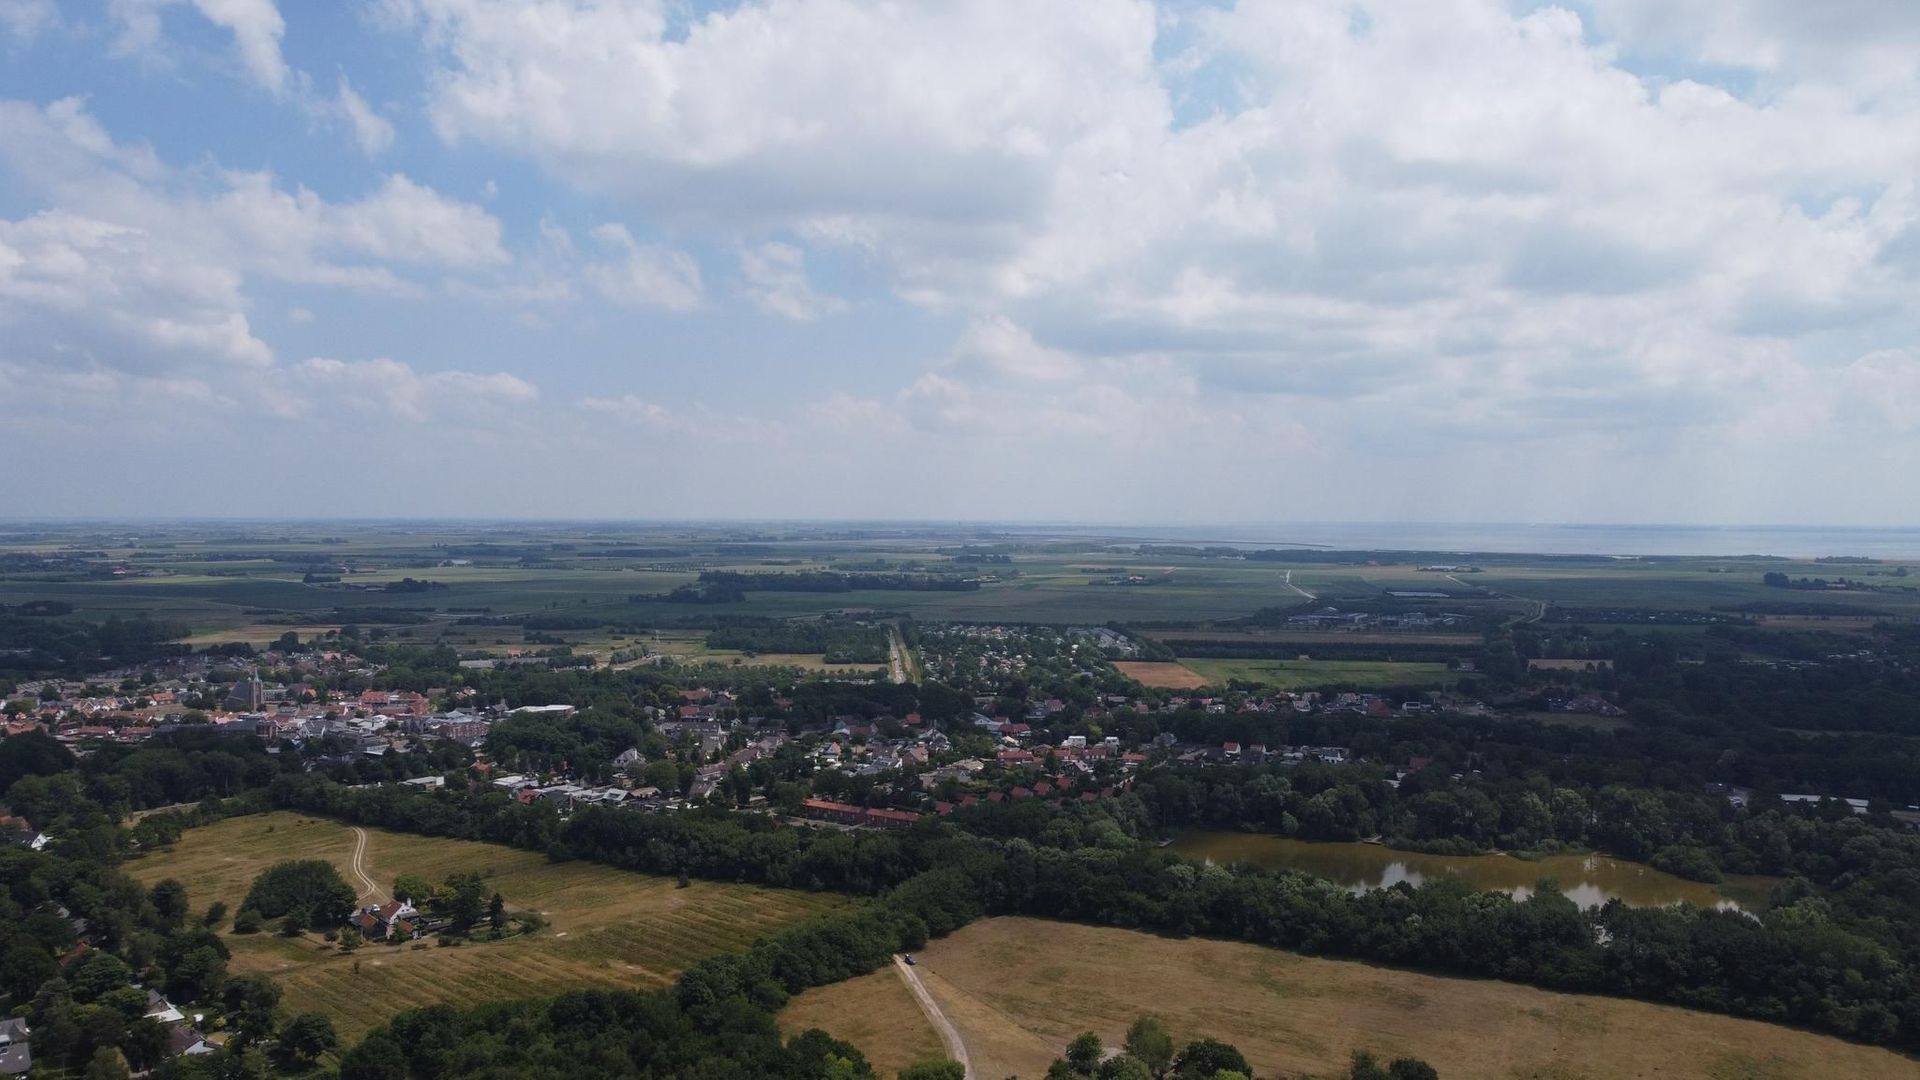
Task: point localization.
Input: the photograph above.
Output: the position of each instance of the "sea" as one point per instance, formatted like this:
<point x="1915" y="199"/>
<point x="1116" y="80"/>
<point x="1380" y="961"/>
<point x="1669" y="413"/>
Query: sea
<point x="1790" y="541"/>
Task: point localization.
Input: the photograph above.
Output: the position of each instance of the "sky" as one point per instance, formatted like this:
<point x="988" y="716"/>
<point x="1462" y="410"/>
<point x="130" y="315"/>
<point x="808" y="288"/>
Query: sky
<point x="1109" y="260"/>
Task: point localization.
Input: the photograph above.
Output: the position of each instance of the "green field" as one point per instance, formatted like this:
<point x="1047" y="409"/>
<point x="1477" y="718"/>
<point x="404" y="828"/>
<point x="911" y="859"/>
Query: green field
<point x="246" y="581"/>
<point x="1312" y="674"/>
<point x="607" y="927"/>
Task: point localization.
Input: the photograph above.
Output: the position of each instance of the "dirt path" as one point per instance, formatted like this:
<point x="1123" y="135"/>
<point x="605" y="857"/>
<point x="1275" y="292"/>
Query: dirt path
<point x="949" y="1034"/>
<point x="1289" y="582"/>
<point x="370" y="889"/>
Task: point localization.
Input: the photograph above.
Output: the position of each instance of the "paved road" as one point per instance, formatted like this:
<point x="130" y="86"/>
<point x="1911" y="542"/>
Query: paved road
<point x="370" y="889"/>
<point x="949" y="1035"/>
<point x="896" y="655"/>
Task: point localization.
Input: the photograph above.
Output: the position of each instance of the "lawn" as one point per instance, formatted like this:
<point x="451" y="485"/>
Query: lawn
<point x="1019" y="989"/>
<point x="1312" y="674"/>
<point x="608" y="928"/>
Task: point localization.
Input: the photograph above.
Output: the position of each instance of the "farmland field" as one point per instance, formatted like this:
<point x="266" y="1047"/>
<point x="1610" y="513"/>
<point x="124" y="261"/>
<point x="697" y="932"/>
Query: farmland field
<point x="1019" y="989"/>
<point x="608" y="928"/>
<point x="1310" y="674"/>
<point x="250" y="583"/>
<point x="1161" y="673"/>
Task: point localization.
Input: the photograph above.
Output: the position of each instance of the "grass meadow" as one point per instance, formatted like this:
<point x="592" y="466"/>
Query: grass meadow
<point x="607" y="927"/>
<point x="1019" y="989"/>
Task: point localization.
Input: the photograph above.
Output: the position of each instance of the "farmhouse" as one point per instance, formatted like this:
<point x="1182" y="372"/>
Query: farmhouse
<point x="393" y="919"/>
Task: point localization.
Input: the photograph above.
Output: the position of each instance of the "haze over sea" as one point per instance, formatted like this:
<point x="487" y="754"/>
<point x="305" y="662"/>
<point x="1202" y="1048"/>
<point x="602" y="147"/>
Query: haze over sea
<point x="1548" y="539"/>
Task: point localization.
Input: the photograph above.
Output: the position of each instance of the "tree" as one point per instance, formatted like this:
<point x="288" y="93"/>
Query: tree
<point x="1148" y="1041"/>
<point x="466" y="900"/>
<point x="34" y="753"/>
<point x="253" y="993"/>
<point x="249" y="921"/>
<point x="307" y="1036"/>
<point x="934" y="1070"/>
<point x="147" y="1043"/>
<point x="215" y="912"/>
<point x="377" y="1057"/>
<point x="1123" y="1067"/>
<point x="169" y="901"/>
<point x="96" y="974"/>
<point x="199" y="974"/>
<point x="414" y="889"/>
<point x="309" y="888"/>
<point x="129" y="1001"/>
<point x="1203" y="1057"/>
<point x="106" y="1064"/>
<point x="1085" y="1051"/>
<point x="1412" y="1069"/>
<point x="497" y="913"/>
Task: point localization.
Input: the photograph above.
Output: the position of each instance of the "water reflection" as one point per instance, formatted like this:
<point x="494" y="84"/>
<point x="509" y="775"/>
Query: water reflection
<point x="1589" y="880"/>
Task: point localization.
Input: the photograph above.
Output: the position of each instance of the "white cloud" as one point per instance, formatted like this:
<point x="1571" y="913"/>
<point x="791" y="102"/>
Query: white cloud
<point x="246" y="221"/>
<point x="78" y="291"/>
<point x="408" y="222"/>
<point x="925" y="112"/>
<point x="1389" y="202"/>
<point x="777" y="281"/>
<point x="1886" y="385"/>
<point x="24" y="20"/>
<point x="373" y="132"/>
<point x="635" y="410"/>
<point x="255" y="25"/>
<point x="257" y="28"/>
<point x="644" y="275"/>
<point x="391" y="387"/>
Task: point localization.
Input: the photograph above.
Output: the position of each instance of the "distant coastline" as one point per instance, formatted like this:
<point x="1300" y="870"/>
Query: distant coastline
<point x="1517" y="538"/>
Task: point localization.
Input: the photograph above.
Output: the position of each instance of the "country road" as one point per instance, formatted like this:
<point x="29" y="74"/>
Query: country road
<point x="370" y="889"/>
<point x="949" y="1035"/>
<point x="1289" y="583"/>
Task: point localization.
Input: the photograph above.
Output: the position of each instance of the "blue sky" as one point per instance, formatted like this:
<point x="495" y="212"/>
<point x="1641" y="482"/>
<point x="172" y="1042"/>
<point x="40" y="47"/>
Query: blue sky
<point x="1619" y="260"/>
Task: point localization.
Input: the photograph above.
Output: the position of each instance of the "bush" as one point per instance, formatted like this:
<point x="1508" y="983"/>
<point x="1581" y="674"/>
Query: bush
<point x="248" y="921"/>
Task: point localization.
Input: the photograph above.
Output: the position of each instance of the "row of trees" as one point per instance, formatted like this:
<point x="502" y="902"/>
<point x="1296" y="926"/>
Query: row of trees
<point x="1797" y="963"/>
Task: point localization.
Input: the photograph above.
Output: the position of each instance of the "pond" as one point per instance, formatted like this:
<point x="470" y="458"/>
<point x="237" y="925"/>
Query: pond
<point x="1589" y="880"/>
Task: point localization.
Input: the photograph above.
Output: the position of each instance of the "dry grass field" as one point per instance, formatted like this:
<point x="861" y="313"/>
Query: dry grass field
<point x="1161" y="673"/>
<point x="1019" y="989"/>
<point x="608" y="928"/>
<point x="874" y="1012"/>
